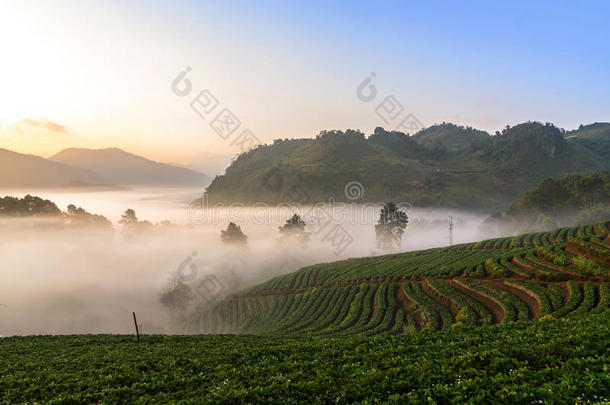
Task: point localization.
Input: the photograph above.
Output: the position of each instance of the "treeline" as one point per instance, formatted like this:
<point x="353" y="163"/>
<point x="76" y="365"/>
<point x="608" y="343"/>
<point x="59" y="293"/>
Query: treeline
<point x="557" y="196"/>
<point x="31" y="206"/>
<point x="75" y="217"/>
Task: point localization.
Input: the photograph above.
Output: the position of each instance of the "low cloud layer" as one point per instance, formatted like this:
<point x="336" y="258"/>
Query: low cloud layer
<point x="41" y="123"/>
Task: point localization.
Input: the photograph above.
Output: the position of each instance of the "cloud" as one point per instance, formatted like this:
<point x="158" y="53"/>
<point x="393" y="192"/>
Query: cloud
<point x="42" y="123"/>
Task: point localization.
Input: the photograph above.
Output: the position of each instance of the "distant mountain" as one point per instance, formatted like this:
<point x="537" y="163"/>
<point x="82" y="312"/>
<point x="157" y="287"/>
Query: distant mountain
<point x="19" y="170"/>
<point x="445" y="165"/>
<point x="116" y="166"/>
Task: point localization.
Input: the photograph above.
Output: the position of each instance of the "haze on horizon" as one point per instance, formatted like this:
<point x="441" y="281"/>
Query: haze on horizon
<point x="87" y="74"/>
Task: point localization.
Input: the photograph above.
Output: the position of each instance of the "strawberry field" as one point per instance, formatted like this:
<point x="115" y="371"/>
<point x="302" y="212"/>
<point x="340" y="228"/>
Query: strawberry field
<point x="557" y="274"/>
<point x="547" y="361"/>
<point x="523" y="319"/>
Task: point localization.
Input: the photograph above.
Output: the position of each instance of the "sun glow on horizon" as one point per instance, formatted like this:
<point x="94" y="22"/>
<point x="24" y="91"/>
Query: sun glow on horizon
<point x="103" y="70"/>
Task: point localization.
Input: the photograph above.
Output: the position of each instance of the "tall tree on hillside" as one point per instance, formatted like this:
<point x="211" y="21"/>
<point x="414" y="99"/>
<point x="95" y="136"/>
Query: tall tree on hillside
<point x="233" y="235"/>
<point x="294" y="231"/>
<point x="390" y="227"/>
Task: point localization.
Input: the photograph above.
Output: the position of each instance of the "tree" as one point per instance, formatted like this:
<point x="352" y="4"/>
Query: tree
<point x="294" y="231"/>
<point x="128" y="217"/>
<point x="176" y="296"/>
<point x="27" y="206"/>
<point x="80" y="217"/>
<point x="131" y="224"/>
<point x="390" y="227"/>
<point x="233" y="235"/>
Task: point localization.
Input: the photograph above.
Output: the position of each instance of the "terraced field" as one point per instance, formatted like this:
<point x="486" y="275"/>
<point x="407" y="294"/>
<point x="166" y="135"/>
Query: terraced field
<point x="563" y="273"/>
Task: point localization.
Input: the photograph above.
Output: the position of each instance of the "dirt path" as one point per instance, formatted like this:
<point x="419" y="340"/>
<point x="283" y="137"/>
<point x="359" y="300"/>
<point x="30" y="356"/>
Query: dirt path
<point x="596" y="256"/>
<point x="440" y="298"/>
<point x="601" y="243"/>
<point x="572" y="274"/>
<point x="532" y="303"/>
<point x="516" y="274"/>
<point x="406" y="304"/>
<point x="527" y="267"/>
<point x="494" y="306"/>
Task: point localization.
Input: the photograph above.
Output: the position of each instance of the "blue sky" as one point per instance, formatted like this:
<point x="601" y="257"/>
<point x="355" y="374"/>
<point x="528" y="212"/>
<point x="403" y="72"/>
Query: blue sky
<point x="290" y="69"/>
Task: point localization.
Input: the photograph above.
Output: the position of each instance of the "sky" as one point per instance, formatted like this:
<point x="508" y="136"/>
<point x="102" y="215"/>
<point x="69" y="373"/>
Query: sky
<point x="99" y="74"/>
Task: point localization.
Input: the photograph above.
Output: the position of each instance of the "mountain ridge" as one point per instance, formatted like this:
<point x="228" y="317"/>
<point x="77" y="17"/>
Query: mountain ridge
<point x="107" y="168"/>
<point x="121" y="167"/>
<point x="430" y="168"/>
<point x="26" y="170"/>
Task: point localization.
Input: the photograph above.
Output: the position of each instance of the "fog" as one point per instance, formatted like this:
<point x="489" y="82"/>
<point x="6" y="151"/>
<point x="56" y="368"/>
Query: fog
<point x="61" y="281"/>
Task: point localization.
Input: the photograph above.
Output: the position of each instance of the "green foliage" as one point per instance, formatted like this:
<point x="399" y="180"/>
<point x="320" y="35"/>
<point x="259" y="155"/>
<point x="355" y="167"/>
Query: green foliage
<point x="390" y="227"/>
<point x="366" y="296"/>
<point x="132" y="227"/>
<point x="446" y="361"/>
<point x="36" y="207"/>
<point x="573" y="302"/>
<point x="442" y="165"/>
<point x="233" y="234"/>
<point x="587" y="266"/>
<point x="27" y="206"/>
<point x="79" y="217"/>
<point x="570" y="200"/>
<point x="293" y="231"/>
<point x="565" y="194"/>
<point x="557" y="361"/>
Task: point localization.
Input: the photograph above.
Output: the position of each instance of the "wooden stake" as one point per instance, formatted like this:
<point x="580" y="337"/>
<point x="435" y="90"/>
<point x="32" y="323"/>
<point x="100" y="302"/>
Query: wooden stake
<point x="136" y="323"/>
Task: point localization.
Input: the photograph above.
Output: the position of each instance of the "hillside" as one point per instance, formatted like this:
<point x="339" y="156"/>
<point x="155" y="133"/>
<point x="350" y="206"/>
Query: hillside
<point x="566" y="201"/>
<point x="444" y="165"/>
<point x="20" y="170"/>
<point x="549" y="275"/>
<point x="595" y="137"/>
<point x="119" y="167"/>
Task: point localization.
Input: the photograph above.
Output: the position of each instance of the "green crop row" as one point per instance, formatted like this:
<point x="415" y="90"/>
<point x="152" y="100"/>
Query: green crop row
<point x="510" y="313"/>
<point x="399" y="323"/>
<point x="366" y="310"/>
<point x="604" y="298"/>
<point x="545" y="304"/>
<point x="313" y="311"/>
<point x="466" y="315"/>
<point x="522" y="313"/>
<point x="572" y="303"/>
<point x="588" y="300"/>
<point x="338" y="314"/>
<point x="384" y="315"/>
<point x="436" y="315"/>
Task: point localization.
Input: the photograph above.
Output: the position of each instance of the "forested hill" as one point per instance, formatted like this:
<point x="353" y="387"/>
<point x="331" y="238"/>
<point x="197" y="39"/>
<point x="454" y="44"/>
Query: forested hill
<point x="444" y="165"/>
